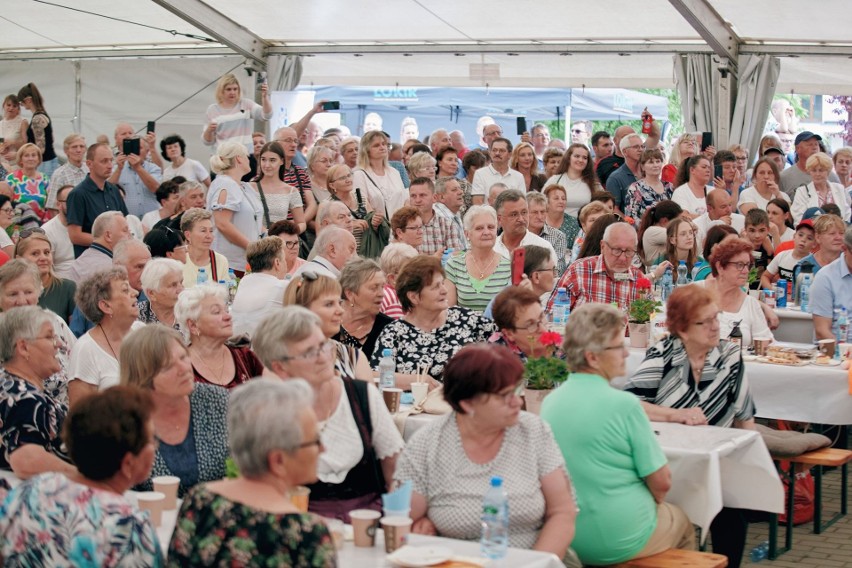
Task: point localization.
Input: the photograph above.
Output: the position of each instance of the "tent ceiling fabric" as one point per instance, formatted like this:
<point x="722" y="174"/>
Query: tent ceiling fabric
<point x="290" y="27"/>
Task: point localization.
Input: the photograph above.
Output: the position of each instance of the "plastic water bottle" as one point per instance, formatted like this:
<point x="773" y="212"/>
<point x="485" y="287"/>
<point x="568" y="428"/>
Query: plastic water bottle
<point x="781" y="293"/>
<point x="805" y="292"/>
<point x="560" y="311"/>
<point x="760" y="552"/>
<point x="202" y="277"/>
<point x="232" y="285"/>
<point x="495" y="521"/>
<point x="224" y="286"/>
<point x="842" y="329"/>
<point x="446" y="256"/>
<point x="387" y="368"/>
<point x="681" y="274"/>
<point x="666" y="285"/>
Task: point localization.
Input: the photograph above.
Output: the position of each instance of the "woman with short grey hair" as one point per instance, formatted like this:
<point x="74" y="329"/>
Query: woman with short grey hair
<point x="358" y="431"/>
<point x="270" y="422"/>
<point x="162" y="281"/>
<point x="363" y="283"/>
<point x="197" y="229"/>
<point x="30" y="420"/>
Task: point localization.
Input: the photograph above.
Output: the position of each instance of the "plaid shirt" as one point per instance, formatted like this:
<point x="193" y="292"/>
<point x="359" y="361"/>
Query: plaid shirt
<point x="588" y="281"/>
<point x="559" y="243"/>
<point x="67" y="174"/>
<point x="440" y="234"/>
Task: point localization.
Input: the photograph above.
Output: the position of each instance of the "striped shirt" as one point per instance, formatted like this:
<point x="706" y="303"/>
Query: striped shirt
<point x="390" y="303"/>
<point x="665" y="378"/>
<point x="235" y="123"/>
<point x="472" y="293"/>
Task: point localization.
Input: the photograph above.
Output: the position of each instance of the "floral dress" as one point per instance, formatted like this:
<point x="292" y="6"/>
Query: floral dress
<point x="30" y="190"/>
<point x="413" y="347"/>
<point x="640" y="196"/>
<point x="50" y="520"/>
<point x="214" y="531"/>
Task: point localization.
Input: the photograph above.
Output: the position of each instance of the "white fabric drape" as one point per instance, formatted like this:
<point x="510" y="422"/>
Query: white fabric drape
<point x="699" y="98"/>
<point x="758" y="80"/>
<point x="285" y="72"/>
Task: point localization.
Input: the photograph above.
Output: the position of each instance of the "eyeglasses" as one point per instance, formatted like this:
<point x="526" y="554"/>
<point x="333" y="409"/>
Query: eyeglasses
<point x="740" y="266"/>
<point x="710" y="322"/>
<point x="637" y="147"/>
<point x="507" y="397"/>
<point x="6" y="209"/>
<point x="323" y="348"/>
<point x="418" y="228"/>
<point x="291" y="244"/>
<point x="554" y="270"/>
<point x="347" y="176"/>
<point x="54" y="340"/>
<point x="534" y="326"/>
<point x="742" y="158"/>
<point x="317" y="443"/>
<point x="620" y="251"/>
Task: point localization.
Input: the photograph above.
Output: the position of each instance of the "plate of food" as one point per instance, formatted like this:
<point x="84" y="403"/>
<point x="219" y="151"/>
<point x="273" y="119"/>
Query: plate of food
<point x="826" y="361"/>
<point x="409" y="556"/>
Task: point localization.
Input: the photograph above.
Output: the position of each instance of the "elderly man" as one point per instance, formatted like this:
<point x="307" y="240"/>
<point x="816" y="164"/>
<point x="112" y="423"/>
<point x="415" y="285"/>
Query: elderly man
<point x="108" y="230"/>
<point x="449" y="200"/>
<point x="807" y="144"/>
<point x="93" y="196"/>
<point x="631" y="147"/>
<point x="439" y="141"/>
<point x="608" y="277"/>
<point x="832" y="290"/>
<point x="494" y="191"/>
<point x="137" y="175"/>
<point x="540" y="135"/>
<point x="333" y="213"/>
<point x="537" y="207"/>
<point x="294" y="173"/>
<point x="132" y="255"/>
<point x="439" y="233"/>
<point x="333" y="247"/>
<point x="57" y="232"/>
<point x="720" y="209"/>
<point x="607" y="166"/>
<point x="481" y="125"/>
<point x="513" y="218"/>
<point x="498" y="171"/>
<point x="73" y="172"/>
<point x="457" y="138"/>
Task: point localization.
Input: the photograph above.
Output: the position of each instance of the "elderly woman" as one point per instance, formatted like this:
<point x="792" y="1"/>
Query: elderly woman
<point x="731" y="261"/>
<point x="202" y="313"/>
<point x="356" y="429"/>
<point x="521" y="320"/>
<point x="524" y="160"/>
<point x="320" y="159"/>
<point x="766" y="182"/>
<point x="173" y="150"/>
<point x="431" y="331"/>
<point x="381" y="184"/>
<point x="27" y="184"/>
<point x="407" y="226"/>
<point x="275" y="441"/>
<point x="162" y="282"/>
<point x="237" y="210"/>
<point x="552" y="158"/>
<point x="197" y="228"/>
<point x="83" y="517"/>
<point x="421" y="164"/>
<point x="692" y="194"/>
<point x="7" y="219"/>
<point x="288" y="232"/>
<point x="649" y="190"/>
<point x="476" y="275"/>
<point x="452" y="459"/>
<point x="232" y="117"/>
<point x="619" y="470"/>
<point x="188" y="418"/>
<point x="263" y="288"/>
<point x="108" y="301"/>
<point x="393" y="258"/>
<point x="343" y="189"/>
<point x="819" y="191"/>
<point x="362" y="282"/>
<point x="279" y="199"/>
<point x="576" y="175"/>
<point x="57" y="293"/>
<point x="349" y="151"/>
<point x="30" y="419"/>
<point x="665" y="384"/>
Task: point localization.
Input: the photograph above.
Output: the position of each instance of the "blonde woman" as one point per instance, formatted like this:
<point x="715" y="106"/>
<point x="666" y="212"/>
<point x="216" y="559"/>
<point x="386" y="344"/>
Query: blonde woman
<point x="232" y="117"/>
<point x="58" y="293"/>
<point x="196" y="224"/>
<point x="383" y="184"/>
<point x="524" y="160"/>
<point x="686" y="146"/>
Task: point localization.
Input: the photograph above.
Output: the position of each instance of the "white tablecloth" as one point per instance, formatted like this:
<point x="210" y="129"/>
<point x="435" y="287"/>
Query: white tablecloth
<point x="796" y="326"/>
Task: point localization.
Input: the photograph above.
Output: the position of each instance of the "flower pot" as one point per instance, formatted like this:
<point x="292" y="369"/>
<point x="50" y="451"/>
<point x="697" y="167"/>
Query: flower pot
<point x="534" y="399"/>
<point x="640" y="334"/>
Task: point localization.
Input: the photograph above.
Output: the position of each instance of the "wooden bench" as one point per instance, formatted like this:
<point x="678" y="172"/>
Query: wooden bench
<point x="816" y="460"/>
<point x="674" y="558"/>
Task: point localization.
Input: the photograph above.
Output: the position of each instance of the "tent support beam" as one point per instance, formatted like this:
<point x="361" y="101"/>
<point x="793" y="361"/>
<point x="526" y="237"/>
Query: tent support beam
<point x="221" y="28"/>
<point x="711" y="27"/>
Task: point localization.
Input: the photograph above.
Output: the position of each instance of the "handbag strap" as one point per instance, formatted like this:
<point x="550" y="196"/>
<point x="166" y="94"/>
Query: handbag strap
<point x="263" y="202"/>
<point x="378" y="188"/>
<point x="213" y="271"/>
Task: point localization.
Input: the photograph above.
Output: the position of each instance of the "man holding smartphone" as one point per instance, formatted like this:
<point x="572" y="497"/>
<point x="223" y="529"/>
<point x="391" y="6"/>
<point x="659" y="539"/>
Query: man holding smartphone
<point x="138" y="176"/>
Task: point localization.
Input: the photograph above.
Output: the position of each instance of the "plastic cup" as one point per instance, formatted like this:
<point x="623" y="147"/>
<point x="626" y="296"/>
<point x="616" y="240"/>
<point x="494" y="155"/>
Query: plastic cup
<point x="845" y="350"/>
<point x="153" y="502"/>
<point x="826" y="347"/>
<point x="396" y="532"/>
<point x="364" y="523"/>
<point x="419" y="392"/>
<point x="761" y="346"/>
<point x="392" y="397"/>
<point x="168" y="486"/>
<point x="299" y="497"/>
<point x="337" y="530"/>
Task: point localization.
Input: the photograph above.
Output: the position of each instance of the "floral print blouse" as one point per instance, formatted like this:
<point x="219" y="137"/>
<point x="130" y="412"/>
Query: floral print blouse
<point x="214" y="531"/>
<point x="30" y="190"/>
<point x="640" y="196"/>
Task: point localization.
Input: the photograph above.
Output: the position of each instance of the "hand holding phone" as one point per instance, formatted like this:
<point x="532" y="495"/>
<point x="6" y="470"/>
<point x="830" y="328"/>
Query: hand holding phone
<point x="261" y="78"/>
<point x="151" y="126"/>
<point x="519" y="256"/>
<point x="331" y="105"/>
<point x="522" y="124"/>
<point x="706" y="140"/>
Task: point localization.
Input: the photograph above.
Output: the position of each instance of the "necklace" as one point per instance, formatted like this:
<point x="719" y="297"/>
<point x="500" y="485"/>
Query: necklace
<point x="479" y="268"/>
<point x="216" y="376"/>
<point x="108" y="342"/>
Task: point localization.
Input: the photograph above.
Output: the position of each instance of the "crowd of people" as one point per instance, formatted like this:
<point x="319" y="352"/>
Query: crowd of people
<point x="173" y="315"/>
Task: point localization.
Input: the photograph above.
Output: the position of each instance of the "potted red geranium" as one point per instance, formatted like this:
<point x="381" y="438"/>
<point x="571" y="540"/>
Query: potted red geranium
<point x="544" y="373"/>
<point x="639" y="314"/>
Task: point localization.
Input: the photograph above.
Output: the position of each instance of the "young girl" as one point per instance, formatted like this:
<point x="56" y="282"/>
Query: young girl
<point x="783" y="264"/>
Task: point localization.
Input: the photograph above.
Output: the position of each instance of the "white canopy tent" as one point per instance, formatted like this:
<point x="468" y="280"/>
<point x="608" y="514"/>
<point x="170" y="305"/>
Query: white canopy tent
<point x="99" y="70"/>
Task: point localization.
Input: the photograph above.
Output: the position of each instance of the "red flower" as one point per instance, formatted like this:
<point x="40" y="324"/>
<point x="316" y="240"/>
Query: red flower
<point x="643" y="283"/>
<point x="550" y="338"/>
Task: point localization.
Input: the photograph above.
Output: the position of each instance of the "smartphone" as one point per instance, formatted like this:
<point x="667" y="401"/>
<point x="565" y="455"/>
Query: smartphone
<point x="261" y="78"/>
<point x="706" y="140"/>
<point x="522" y="124"/>
<point x="151" y="126"/>
<point x="331" y="105"/>
<point x="717" y="171"/>
<point x="519" y="256"/>
<point x="130" y="146"/>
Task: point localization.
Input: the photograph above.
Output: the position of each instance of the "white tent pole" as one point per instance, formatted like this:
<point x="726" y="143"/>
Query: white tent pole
<point x="76" y="122"/>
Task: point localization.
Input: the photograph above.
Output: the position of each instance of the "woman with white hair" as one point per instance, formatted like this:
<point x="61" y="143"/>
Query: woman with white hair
<point x="391" y="261"/>
<point x="355" y="425"/>
<point x="162" y="282"/>
<point x="232" y="118"/>
<point x="382" y="183"/>
<point x="421" y="164"/>
<point x="820" y="191"/>
<point x="275" y="442"/>
<point x="237" y="210"/>
<point x="202" y="314"/>
<point x="196" y="225"/>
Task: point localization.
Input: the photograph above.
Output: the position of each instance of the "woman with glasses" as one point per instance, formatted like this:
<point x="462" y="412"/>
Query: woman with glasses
<point x="521" y="320"/>
<point x="203" y="317"/>
<point x="615" y="461"/>
<point x="7" y="218"/>
<point x="288" y="232"/>
<point x="320" y="160"/>
<point x="695" y="377"/>
<point x="407" y="227"/>
<point x="197" y="228"/>
<point x="30" y="418"/>
<point x="577" y="175"/>
<point x="189" y="418"/>
<point x="357" y="432"/>
<point x="422" y="164"/>
<point x="342" y="187"/>
<point x="57" y="293"/>
<point x="278" y="198"/>
<point x="263" y="288"/>
<point x="451" y="460"/>
<point x="27" y="184"/>
<point x="476" y="275"/>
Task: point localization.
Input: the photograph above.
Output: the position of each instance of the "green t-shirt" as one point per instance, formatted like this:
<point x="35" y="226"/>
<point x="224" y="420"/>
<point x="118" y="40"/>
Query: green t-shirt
<point x="609" y="448"/>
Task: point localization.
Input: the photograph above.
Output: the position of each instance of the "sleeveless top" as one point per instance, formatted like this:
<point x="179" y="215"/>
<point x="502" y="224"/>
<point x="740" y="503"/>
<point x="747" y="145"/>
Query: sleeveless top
<point x="48" y="152"/>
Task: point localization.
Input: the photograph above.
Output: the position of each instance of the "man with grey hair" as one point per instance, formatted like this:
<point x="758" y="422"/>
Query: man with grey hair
<point x="513" y="218"/>
<point x="132" y="255"/>
<point x="540" y="135"/>
<point x="137" y="175"/>
<point x="109" y="229"/>
<point x="333" y="213"/>
<point x="333" y="247"/>
<point x="449" y="200"/>
<point x="631" y="147"/>
<point x="495" y="190"/>
<point x="537" y="206"/>
<point x="832" y="288"/>
<point x="439" y="140"/>
<point x="73" y="172"/>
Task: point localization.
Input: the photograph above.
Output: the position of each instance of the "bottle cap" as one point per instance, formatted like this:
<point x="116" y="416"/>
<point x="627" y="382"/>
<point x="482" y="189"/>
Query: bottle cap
<point x="682" y="262"/>
<point x="496" y="481"/>
<point x="386" y="352"/>
<point x="562" y="289"/>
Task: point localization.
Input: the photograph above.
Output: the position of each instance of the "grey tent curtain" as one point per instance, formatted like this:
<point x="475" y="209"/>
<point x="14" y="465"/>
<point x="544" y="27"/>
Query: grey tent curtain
<point x="285" y="72"/>
<point x="699" y="98"/>
<point x="758" y="79"/>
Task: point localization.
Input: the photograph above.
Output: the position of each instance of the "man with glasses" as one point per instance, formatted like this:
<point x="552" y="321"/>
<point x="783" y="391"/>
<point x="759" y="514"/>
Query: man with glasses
<point x="606" y="278"/>
<point x="439" y="233"/>
<point x="513" y="218"/>
<point x="540" y="139"/>
<point x="832" y="290"/>
<point x="540" y="272"/>
<point x="607" y="166"/>
<point x="497" y="172"/>
<point x="580" y="132"/>
<point x="720" y="210"/>
<point x="631" y="147"/>
<point x="537" y="206"/>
